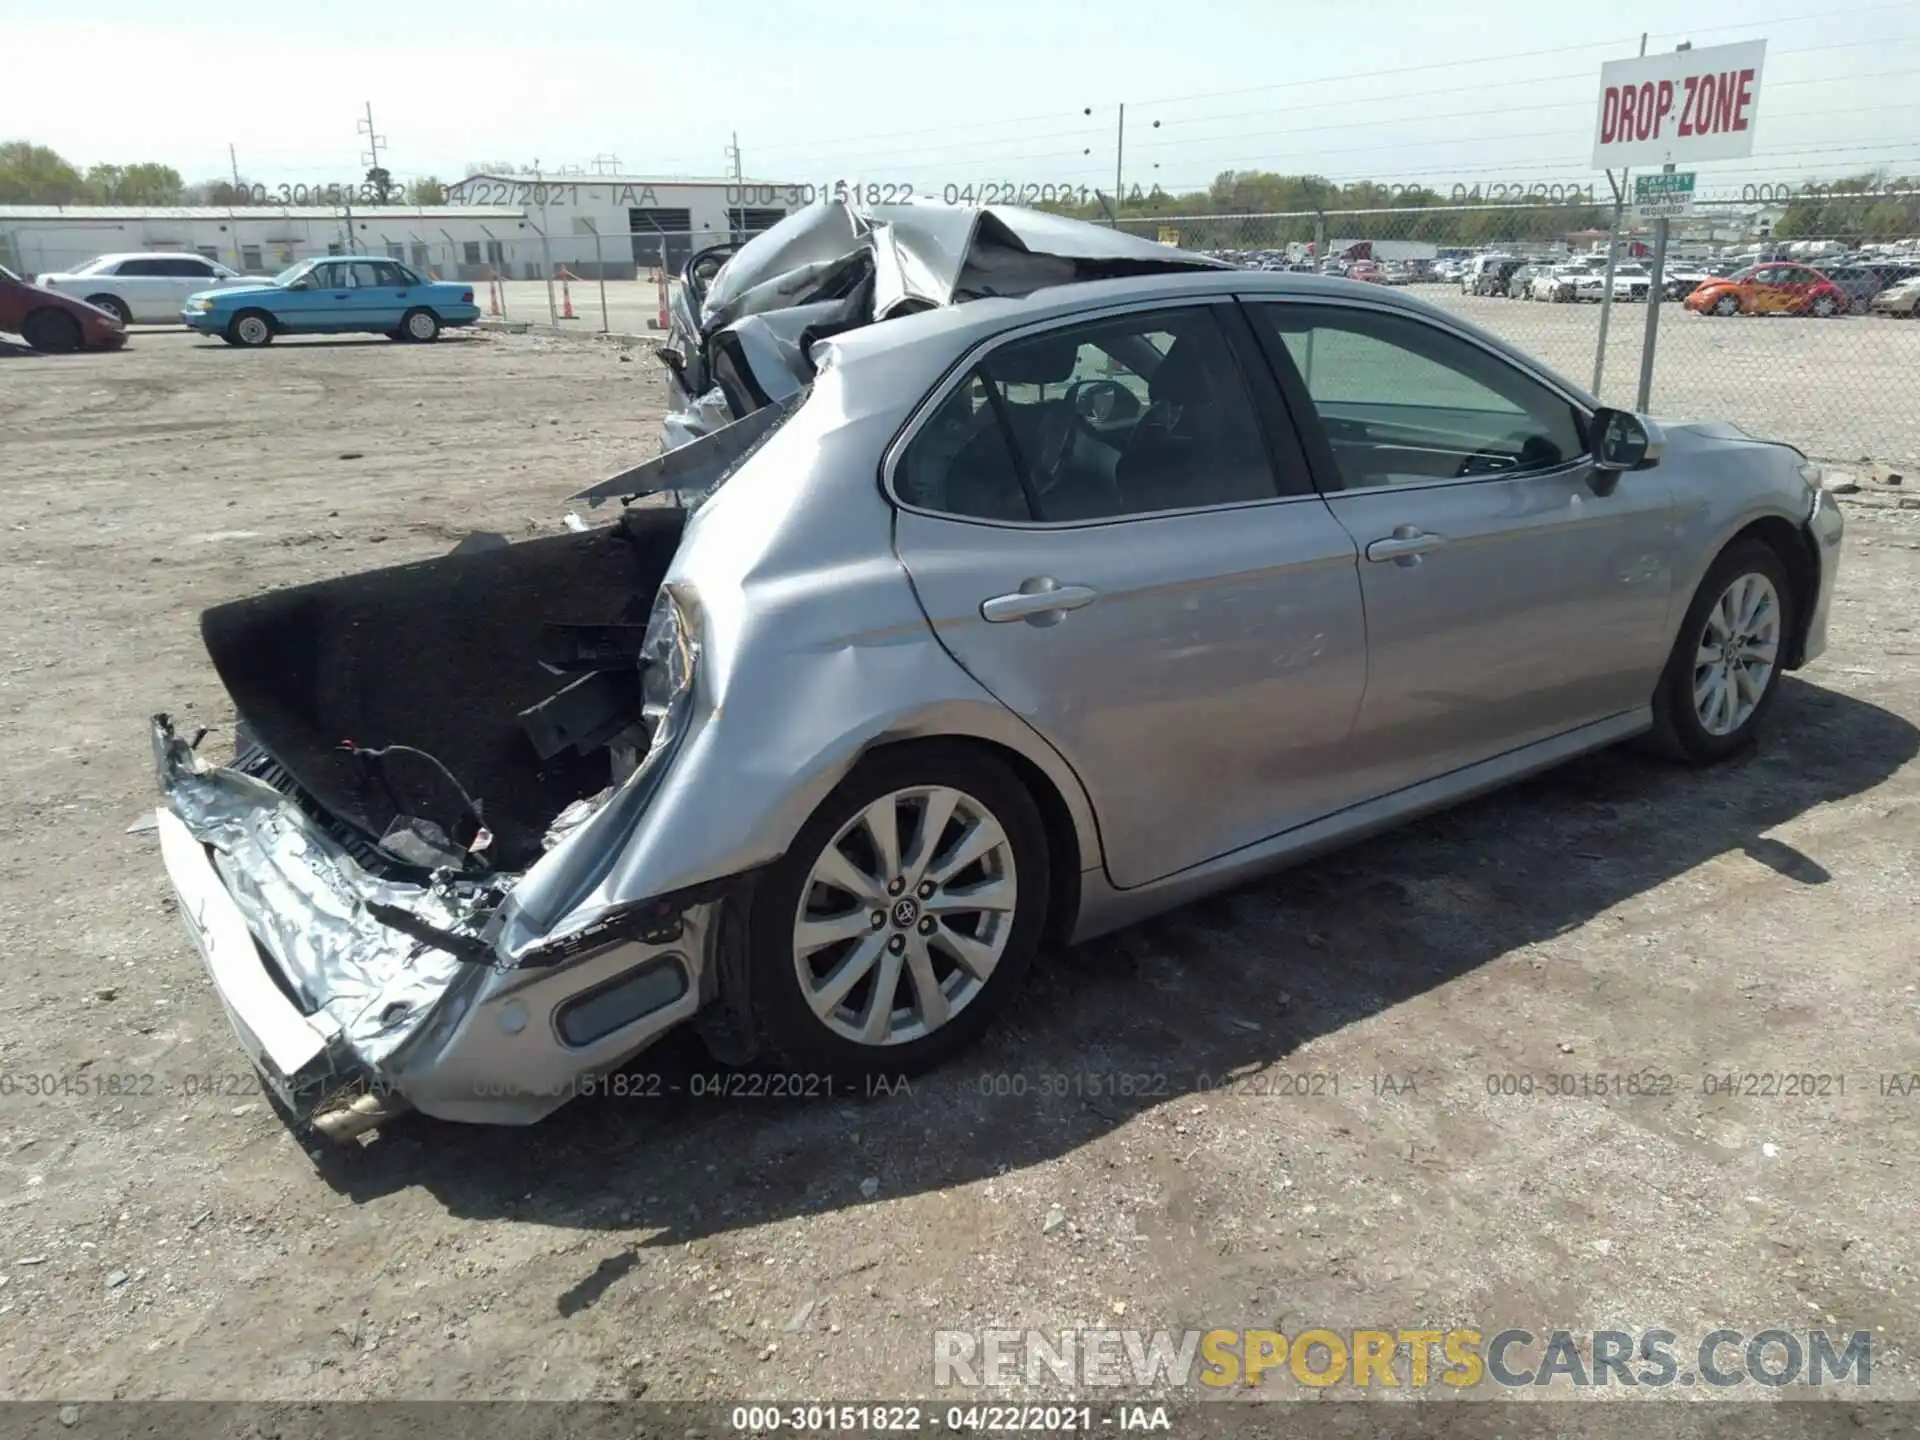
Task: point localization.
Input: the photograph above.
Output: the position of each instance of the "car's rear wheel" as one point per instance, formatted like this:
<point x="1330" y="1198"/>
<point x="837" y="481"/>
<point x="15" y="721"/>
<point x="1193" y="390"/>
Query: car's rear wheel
<point x="1823" y="306"/>
<point x="1724" y="671"/>
<point x="1727" y="305"/>
<point x="251" y="328"/>
<point x="420" y="326"/>
<point x="52" y="331"/>
<point x="902" y="918"/>
<point x="113" y="305"/>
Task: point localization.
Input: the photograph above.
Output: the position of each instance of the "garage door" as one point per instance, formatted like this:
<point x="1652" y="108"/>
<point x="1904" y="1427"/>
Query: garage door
<point x="654" y="228"/>
<point x="751" y="222"/>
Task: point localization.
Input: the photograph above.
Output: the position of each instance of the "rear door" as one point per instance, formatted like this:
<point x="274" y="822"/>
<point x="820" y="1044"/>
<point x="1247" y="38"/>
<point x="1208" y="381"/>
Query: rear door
<point x="1111" y="531"/>
<point x="143" y="287"/>
<point x="1509" y="597"/>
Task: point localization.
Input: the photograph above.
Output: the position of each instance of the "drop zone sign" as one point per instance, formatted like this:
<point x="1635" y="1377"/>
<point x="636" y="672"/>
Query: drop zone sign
<point x="1678" y="108"/>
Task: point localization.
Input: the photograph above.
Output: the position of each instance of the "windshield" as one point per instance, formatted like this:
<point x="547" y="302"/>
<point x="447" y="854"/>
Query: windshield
<point x="293" y="273"/>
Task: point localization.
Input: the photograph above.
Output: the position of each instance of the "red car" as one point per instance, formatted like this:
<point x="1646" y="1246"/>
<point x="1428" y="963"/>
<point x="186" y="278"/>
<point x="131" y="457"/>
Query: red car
<point x="52" y="322"/>
<point x="1773" y="288"/>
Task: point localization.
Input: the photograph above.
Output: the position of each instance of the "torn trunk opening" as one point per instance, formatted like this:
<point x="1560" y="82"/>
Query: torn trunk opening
<point x="441" y="657"/>
<point x="349" y="912"/>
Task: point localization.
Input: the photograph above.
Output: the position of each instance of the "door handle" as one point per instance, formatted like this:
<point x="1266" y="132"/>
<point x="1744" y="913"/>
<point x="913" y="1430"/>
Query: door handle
<point x="1404" y="546"/>
<point x="1040" y="600"/>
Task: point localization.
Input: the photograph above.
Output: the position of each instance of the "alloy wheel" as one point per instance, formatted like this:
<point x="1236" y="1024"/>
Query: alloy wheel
<point x="904" y="915"/>
<point x="1734" y="660"/>
<point x="422" y="326"/>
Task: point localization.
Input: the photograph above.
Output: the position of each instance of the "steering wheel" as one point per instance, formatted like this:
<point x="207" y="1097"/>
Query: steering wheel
<point x="1102" y="402"/>
<point x="1060" y="426"/>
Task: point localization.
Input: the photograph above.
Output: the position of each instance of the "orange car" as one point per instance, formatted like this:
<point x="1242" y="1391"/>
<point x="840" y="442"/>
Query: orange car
<point x="1772" y="288"/>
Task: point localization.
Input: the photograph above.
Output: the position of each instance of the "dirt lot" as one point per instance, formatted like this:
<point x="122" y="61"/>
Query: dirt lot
<point x="1616" y="917"/>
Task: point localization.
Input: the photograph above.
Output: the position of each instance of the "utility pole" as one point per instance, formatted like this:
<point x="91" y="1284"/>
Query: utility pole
<point x="1119" y="153"/>
<point x="370" y="157"/>
<point x="1655" y="291"/>
<point x="546" y="250"/>
<point x="733" y="156"/>
<point x="234" y="160"/>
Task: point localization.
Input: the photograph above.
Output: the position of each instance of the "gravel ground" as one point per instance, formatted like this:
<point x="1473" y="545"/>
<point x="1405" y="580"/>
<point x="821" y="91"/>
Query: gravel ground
<point x="1090" y="1165"/>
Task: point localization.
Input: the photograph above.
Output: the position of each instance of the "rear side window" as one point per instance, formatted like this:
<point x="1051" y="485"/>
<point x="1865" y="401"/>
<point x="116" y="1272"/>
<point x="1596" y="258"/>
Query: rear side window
<point x="1133" y="415"/>
<point x="187" y="269"/>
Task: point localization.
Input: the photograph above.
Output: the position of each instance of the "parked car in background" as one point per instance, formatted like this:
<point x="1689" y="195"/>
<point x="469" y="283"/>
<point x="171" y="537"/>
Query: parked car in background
<point x="145" y="289"/>
<point x="50" y="321"/>
<point x="1902" y="299"/>
<point x="982" y="705"/>
<point x="1631" y="281"/>
<point x="1683" y="279"/>
<point x="1492" y="278"/>
<point x="333" y="296"/>
<point x="1773" y="288"/>
<point x="1858" y="282"/>
<point x="1520" y="281"/>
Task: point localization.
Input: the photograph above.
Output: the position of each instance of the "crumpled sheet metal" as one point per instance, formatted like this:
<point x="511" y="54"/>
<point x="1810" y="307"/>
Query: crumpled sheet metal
<point x="888" y="259"/>
<point x="305" y="897"/>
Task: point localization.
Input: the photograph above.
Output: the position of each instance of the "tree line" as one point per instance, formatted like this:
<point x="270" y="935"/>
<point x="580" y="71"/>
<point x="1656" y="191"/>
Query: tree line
<point x="36" y="175"/>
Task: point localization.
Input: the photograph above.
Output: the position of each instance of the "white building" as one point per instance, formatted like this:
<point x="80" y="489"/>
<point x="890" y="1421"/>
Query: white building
<point x="513" y="225"/>
<point x="258" y="240"/>
<point x="677" y="215"/>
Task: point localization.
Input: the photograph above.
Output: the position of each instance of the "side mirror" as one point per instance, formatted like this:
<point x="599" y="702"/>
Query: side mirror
<point x="1620" y="441"/>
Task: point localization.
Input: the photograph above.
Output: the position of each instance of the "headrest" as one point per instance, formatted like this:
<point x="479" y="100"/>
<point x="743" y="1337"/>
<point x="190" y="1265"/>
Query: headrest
<point x="1044" y="360"/>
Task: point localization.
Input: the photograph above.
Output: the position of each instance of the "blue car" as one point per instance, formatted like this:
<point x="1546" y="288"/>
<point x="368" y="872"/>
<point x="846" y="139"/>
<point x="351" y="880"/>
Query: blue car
<point x="333" y="295"/>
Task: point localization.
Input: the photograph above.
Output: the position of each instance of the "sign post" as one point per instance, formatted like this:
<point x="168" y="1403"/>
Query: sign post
<point x="1689" y="105"/>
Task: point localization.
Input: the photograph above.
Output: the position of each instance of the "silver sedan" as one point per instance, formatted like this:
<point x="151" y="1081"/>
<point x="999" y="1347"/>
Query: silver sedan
<point x="957" y="634"/>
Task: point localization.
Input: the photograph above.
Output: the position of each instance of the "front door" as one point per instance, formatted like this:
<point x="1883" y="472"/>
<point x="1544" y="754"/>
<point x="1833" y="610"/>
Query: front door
<point x="1511" y="594"/>
<point x="1108" y="532"/>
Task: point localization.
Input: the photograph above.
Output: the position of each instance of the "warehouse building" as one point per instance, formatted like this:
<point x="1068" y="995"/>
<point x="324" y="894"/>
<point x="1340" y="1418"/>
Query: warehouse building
<point x="511" y="225"/>
<point x="673" y="217"/>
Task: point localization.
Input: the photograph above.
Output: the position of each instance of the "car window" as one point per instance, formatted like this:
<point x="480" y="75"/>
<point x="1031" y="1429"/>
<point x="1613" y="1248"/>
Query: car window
<point x="130" y="268"/>
<point x="1406" y="402"/>
<point x="1128" y="416"/>
<point x="185" y="269"/>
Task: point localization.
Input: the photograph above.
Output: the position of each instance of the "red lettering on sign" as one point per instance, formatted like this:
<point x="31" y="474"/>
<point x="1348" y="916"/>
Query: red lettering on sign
<point x="1723" y="103"/>
<point x="1627" y="97"/>
<point x="1742" y="100"/>
<point x="1644" y="114"/>
<point x="1692" y="82"/>
<point x="1609" y="114"/>
<point x="1663" y="105"/>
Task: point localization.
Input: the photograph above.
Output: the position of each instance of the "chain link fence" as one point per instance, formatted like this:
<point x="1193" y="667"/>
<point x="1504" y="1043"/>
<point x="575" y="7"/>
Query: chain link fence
<point x="1839" y="385"/>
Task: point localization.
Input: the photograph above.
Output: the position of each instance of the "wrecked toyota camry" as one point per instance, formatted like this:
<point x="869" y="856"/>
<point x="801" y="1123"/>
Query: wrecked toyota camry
<point x="1004" y="578"/>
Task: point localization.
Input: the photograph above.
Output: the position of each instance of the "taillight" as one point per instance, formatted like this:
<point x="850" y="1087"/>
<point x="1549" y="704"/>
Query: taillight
<point x="466" y="297"/>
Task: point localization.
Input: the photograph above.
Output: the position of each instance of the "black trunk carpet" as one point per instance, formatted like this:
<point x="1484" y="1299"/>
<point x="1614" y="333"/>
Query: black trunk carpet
<point x="439" y="655"/>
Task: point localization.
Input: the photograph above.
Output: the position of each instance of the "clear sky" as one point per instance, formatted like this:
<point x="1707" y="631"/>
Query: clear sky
<point x="1417" y="91"/>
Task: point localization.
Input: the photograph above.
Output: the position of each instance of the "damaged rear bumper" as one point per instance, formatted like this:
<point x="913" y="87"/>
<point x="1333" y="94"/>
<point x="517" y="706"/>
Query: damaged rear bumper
<point x="350" y="1020"/>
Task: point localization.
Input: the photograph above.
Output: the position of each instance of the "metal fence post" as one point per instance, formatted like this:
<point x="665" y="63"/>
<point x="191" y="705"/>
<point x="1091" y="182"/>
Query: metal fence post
<point x="1655" y="292"/>
<point x="600" y="268"/>
<point x="1613" y="251"/>
<point x="1606" y="283"/>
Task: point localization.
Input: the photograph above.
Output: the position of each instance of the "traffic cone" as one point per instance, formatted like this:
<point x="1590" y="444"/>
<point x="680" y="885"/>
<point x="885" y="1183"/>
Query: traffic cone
<point x="566" y="296"/>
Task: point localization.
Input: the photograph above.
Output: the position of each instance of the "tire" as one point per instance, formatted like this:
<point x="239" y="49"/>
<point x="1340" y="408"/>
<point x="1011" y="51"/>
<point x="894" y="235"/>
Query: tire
<point x="1823" y="307"/>
<point x="113" y="305"/>
<point x="1696" y="729"/>
<point x="250" y="329"/>
<point x="790" y="1030"/>
<point x="53" y="332"/>
<point x="420" y="327"/>
<point x="1727" y="305"/>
